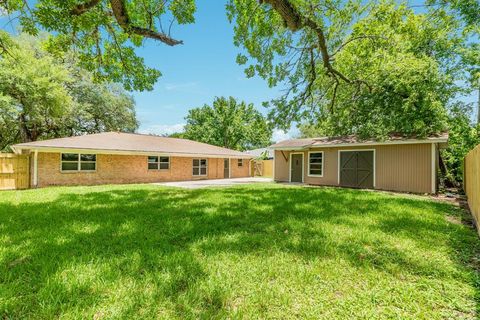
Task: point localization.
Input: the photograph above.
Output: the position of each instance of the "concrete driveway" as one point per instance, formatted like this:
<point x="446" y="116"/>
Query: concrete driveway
<point x="196" y="184"/>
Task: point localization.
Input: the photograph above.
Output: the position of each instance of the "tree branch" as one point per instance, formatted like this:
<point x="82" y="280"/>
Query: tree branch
<point x="121" y="15"/>
<point x="84" y="7"/>
<point x="295" y="21"/>
<point x="353" y="39"/>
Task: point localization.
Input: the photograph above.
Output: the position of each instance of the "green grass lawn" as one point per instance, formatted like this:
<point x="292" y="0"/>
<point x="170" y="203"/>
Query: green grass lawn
<point x="258" y="251"/>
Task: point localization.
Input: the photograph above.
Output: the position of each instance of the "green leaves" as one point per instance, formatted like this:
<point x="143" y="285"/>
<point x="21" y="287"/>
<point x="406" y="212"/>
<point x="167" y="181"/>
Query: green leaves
<point x="229" y="124"/>
<point x="106" y="33"/>
<point x="401" y="68"/>
<point x="45" y="96"/>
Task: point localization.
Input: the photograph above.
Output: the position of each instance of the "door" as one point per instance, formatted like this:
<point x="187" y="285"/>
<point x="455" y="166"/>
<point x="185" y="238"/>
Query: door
<point x="356" y="169"/>
<point x="226" y="168"/>
<point x="296" y="168"/>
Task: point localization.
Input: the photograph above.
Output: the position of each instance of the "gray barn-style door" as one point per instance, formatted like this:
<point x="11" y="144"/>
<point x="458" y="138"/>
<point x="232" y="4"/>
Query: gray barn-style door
<point x="226" y="168"/>
<point x="296" y="168"/>
<point x="356" y="169"/>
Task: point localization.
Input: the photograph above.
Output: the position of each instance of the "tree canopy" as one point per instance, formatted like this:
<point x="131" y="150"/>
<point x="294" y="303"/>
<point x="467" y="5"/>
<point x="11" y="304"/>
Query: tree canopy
<point x="105" y="33"/>
<point x="228" y="123"/>
<point x="43" y="97"/>
<point x="369" y="68"/>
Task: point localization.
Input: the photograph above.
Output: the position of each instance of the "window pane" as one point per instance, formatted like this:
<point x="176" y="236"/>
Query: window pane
<point x="88" y="157"/>
<point x="153" y="166"/>
<point x="196" y="171"/>
<point x="87" y="166"/>
<point x="240" y="162"/>
<point x="69" y="156"/>
<point x="163" y="165"/>
<point x="316" y="166"/>
<point x="69" y="166"/>
<point x="196" y="162"/>
<point x="152" y="159"/>
<point x="164" y="159"/>
<point x="203" y="171"/>
<point x="203" y="162"/>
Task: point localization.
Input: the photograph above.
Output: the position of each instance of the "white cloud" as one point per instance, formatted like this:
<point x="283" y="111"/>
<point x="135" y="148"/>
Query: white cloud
<point x="181" y="86"/>
<point x="163" y="129"/>
<point x="280" y="135"/>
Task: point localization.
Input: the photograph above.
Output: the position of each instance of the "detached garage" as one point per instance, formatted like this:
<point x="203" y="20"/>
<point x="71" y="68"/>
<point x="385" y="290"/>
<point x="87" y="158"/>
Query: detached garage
<point x="397" y="164"/>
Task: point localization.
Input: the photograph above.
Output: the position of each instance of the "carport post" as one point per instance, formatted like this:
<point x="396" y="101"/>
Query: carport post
<point x="35" y="168"/>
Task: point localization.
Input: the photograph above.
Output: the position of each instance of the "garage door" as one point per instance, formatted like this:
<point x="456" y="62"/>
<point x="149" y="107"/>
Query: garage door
<point x="356" y="169"/>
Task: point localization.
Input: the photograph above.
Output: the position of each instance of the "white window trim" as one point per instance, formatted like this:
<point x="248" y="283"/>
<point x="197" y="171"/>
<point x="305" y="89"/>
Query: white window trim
<point x="79" y="162"/>
<point x="290" y="166"/>
<point x="323" y="164"/>
<point x="374" y="164"/>
<point x="158" y="163"/>
<point x="199" y="167"/>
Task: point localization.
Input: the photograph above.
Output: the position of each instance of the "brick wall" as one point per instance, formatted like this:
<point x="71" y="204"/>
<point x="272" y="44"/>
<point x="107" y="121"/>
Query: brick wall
<point x="239" y="172"/>
<point x="114" y="169"/>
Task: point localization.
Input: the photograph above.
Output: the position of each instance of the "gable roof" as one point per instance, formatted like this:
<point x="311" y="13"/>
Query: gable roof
<point x="353" y="140"/>
<point x="261" y="152"/>
<point x="130" y="143"/>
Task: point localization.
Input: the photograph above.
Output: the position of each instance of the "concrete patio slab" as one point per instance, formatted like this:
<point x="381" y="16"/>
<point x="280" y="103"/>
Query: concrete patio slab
<point x="196" y="184"/>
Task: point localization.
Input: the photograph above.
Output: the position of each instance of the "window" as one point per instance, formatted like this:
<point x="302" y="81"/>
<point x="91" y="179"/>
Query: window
<point x="158" y="163"/>
<point x="199" y="167"/>
<point x="315" y="164"/>
<point x="79" y="162"/>
<point x="240" y="162"/>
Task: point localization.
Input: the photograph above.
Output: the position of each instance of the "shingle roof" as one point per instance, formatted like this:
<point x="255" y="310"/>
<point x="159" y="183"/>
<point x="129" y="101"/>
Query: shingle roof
<point x="261" y="152"/>
<point x="354" y="140"/>
<point x="132" y="142"/>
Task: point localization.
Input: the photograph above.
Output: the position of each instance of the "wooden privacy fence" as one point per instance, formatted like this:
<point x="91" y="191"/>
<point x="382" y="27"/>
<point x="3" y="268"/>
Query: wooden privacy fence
<point x="471" y="181"/>
<point x="14" y="171"/>
<point x="262" y="168"/>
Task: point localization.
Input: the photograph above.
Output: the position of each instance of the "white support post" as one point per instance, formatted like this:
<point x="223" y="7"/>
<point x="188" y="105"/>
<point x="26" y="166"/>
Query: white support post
<point x="35" y="168"/>
<point x="434" y="168"/>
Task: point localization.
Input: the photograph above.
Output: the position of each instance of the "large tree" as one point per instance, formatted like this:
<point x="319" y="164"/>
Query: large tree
<point x="43" y="97"/>
<point x="105" y="33"/>
<point x="228" y="123"/>
<point x="352" y="66"/>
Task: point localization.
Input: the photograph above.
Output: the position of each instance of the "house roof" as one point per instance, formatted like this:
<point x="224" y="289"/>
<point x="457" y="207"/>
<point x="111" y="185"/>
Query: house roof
<point x="353" y="140"/>
<point x="130" y="143"/>
<point x="260" y="152"/>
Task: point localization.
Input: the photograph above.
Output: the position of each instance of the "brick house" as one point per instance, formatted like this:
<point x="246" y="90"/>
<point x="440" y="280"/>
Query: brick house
<point x="113" y="157"/>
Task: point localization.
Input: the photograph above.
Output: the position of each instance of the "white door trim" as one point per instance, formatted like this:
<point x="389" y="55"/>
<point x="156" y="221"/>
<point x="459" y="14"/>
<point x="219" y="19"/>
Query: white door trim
<point x="290" y="165"/>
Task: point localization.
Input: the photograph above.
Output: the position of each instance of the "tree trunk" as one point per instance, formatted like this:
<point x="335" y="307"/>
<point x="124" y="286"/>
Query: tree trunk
<point x="444" y="171"/>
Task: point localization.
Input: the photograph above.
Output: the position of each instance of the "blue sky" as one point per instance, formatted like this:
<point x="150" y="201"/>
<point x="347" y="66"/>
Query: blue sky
<point x="197" y="71"/>
<point x="194" y="73"/>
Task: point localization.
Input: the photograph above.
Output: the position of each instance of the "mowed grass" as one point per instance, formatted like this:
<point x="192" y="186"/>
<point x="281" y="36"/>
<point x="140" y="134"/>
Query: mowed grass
<point x="258" y="251"/>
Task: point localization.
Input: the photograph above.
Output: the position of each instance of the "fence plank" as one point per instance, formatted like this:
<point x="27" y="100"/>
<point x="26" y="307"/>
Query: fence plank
<point x="14" y="171"/>
<point x="262" y="168"/>
<point x="472" y="182"/>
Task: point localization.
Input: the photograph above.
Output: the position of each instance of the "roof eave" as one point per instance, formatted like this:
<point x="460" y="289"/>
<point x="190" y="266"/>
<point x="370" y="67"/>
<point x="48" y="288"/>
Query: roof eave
<point x="127" y="152"/>
<point x="440" y="140"/>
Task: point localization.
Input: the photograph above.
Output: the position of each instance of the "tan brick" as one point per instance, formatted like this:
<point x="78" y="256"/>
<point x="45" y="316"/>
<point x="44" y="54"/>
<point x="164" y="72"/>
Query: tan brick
<point x="115" y="169"/>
